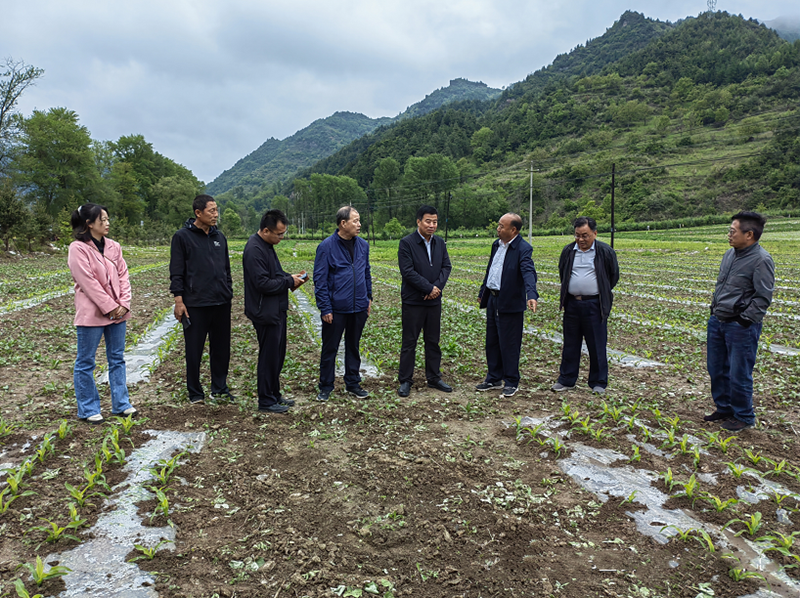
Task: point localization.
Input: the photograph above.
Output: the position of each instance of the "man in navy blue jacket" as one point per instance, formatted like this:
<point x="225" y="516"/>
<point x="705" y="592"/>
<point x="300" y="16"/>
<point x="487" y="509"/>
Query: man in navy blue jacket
<point x="425" y="267"/>
<point x="343" y="290"/>
<point x="509" y="286"/>
<point x="266" y="299"/>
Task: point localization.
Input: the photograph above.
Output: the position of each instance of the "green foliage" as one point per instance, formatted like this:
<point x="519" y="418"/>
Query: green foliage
<point x="39" y="574"/>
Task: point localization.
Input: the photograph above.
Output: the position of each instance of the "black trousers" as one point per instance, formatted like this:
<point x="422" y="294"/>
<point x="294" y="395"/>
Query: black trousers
<point x="351" y="325"/>
<point x="271" y="355"/>
<point x="582" y="320"/>
<point x="213" y="322"/>
<point x="503" y="344"/>
<point x="427" y="319"/>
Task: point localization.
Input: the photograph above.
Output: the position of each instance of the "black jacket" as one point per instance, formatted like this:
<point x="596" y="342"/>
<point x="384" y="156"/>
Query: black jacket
<point x="745" y="284"/>
<point x="199" y="266"/>
<point x="266" y="285"/>
<point x="605" y="266"/>
<point x="518" y="281"/>
<point x="420" y="275"/>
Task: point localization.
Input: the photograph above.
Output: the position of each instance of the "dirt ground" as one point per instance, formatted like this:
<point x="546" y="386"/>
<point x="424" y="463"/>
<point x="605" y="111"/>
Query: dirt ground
<point x="435" y="495"/>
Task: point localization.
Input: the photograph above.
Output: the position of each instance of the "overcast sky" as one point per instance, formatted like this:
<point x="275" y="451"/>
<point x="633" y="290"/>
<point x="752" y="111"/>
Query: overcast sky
<point x="206" y="82"/>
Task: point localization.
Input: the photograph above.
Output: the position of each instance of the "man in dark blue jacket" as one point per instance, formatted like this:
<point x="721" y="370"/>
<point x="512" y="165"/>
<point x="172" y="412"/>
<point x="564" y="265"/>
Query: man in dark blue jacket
<point x="425" y="267"/>
<point x="343" y="290"/>
<point x="509" y="286"/>
<point x="200" y="280"/>
<point x="266" y="299"/>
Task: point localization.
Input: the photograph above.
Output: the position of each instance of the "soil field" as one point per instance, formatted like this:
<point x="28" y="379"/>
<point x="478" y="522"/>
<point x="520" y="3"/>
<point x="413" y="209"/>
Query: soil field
<point x="437" y="495"/>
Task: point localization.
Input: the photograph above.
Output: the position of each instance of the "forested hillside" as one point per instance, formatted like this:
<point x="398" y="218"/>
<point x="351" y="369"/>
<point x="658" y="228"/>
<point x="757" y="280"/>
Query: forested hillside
<point x="695" y="118"/>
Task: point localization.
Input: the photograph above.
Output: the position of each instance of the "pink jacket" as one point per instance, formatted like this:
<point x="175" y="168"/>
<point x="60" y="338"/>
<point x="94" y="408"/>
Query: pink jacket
<point x="101" y="282"/>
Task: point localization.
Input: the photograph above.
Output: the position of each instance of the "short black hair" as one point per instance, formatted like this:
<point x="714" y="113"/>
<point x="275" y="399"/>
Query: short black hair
<point x="751" y="222"/>
<point x="200" y="202"/>
<point x="516" y="221"/>
<point x="271" y="218"/>
<point x="344" y="213"/>
<point x="88" y="212"/>
<point x="581" y="221"/>
<point x="426" y="210"/>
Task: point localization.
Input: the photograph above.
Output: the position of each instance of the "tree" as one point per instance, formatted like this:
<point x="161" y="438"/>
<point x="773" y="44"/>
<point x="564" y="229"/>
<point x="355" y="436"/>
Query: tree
<point x="174" y="196"/>
<point x="393" y="228"/>
<point x="231" y="223"/>
<point x="15" y="78"/>
<point x="12" y="212"/>
<point x="56" y="164"/>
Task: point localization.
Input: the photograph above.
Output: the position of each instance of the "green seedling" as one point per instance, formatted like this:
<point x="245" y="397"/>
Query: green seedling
<point x="690" y="489"/>
<point x="718" y="504"/>
<point x="755" y="457"/>
<point x="670" y="441"/>
<point x="163" y="470"/>
<point x="645" y="433"/>
<point x="737" y="470"/>
<point x="615" y="413"/>
<point x="636" y="457"/>
<point x="6" y="427"/>
<point x="27" y="466"/>
<point x="600" y="434"/>
<point x="778" y="540"/>
<point x="15" y="482"/>
<point x="6" y="502"/>
<point x="75" y="519"/>
<point x="778" y="498"/>
<point x="162" y="508"/>
<point x="724" y="444"/>
<point x="712" y="438"/>
<point x="674" y="422"/>
<point x="790" y="555"/>
<point x="679" y="533"/>
<point x="148" y="553"/>
<point x="657" y="414"/>
<point x="751" y="525"/>
<point x="40" y="575"/>
<point x="630" y="498"/>
<point x="98" y="462"/>
<point x="534" y="433"/>
<point x="696" y="458"/>
<point x="63" y="429"/>
<point x="45" y="448"/>
<point x="19" y="586"/>
<point x="566" y="409"/>
<point x="669" y="482"/>
<point x="55" y="532"/>
<point x="518" y="427"/>
<point x="777" y="468"/>
<point x="683" y="446"/>
<point x="81" y="496"/>
<point x="556" y="445"/>
<point x="126" y="423"/>
<point x="705" y="540"/>
<point x="632" y="425"/>
<point x="738" y="574"/>
<point x="95" y="478"/>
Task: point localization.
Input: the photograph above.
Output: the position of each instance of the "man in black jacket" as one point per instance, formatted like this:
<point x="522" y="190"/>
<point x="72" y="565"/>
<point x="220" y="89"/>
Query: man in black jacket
<point x="588" y="270"/>
<point x="425" y="268"/>
<point x="509" y="286"/>
<point x="266" y="300"/>
<point x="200" y="280"/>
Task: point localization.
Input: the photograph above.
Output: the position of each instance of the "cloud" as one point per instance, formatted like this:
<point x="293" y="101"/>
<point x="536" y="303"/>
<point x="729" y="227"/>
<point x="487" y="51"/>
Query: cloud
<point x="209" y="81"/>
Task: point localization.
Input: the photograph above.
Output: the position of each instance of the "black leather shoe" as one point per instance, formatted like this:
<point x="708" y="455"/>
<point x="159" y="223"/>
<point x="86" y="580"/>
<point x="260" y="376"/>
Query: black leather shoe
<point x="717" y="416"/>
<point x="405" y="389"/>
<point x="287" y="402"/>
<point x="440" y="385"/>
<point x="274" y="408"/>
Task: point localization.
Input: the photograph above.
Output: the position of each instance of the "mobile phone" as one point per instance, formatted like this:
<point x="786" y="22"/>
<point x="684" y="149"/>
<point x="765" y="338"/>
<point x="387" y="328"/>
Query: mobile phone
<point x="186" y="322"/>
<point x="304" y="276"/>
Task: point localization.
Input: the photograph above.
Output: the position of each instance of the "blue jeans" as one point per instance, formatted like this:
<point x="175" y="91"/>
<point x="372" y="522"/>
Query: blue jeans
<point x="83" y="374"/>
<point x="731" y="357"/>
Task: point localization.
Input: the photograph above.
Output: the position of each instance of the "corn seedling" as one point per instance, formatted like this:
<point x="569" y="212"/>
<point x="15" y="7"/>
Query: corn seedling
<point x="75" y="519"/>
<point x="19" y="586"/>
<point x="683" y="446"/>
<point x="755" y="457"/>
<point x="80" y="496"/>
<point x="669" y="482"/>
<point x="6" y="502"/>
<point x="645" y="433"/>
<point x="148" y="553"/>
<point x="95" y="478"/>
<point x="636" y="457"/>
<point x="556" y="445"/>
<point x="163" y="470"/>
<point x="718" y="504"/>
<point x="679" y="533"/>
<point x="657" y="415"/>
<point x="712" y="438"/>
<point x="40" y="575"/>
<point x="630" y="498"/>
<point x="27" y="466"/>
<point x="126" y="423"/>
<point x="674" y="422"/>
<point x="45" y="448"/>
<point x="63" y="429"/>
<point x="518" y="428"/>
<point x="6" y="427"/>
<point x="534" y="433"/>
<point x="737" y="470"/>
<point x="599" y="434"/>
<point x="723" y="445"/>
<point x="690" y="489"/>
<point x="751" y="525"/>
<point x="778" y="498"/>
<point x="615" y="413"/>
<point x="566" y="409"/>
<point x="670" y="441"/>
<point x="705" y="540"/>
<point x="696" y="458"/>
<point x="778" y="540"/>
<point x="54" y="531"/>
<point x="162" y="508"/>
<point x="15" y="482"/>
<point x="738" y="574"/>
<point x="777" y="468"/>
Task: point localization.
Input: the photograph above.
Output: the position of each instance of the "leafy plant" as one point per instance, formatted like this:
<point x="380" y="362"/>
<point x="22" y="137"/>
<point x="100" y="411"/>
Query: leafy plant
<point x="45" y="448"/>
<point x="6" y="502"/>
<point x="148" y="553"/>
<point x="19" y="586"/>
<point x="705" y="540"/>
<point x="40" y="575"/>
<point x="777" y="468"/>
<point x="163" y="470"/>
<point x="6" y="427"/>
<point x="63" y="429"/>
<point x="669" y="482"/>
<point x="718" y="504"/>
<point x="54" y="532"/>
<point x="739" y="574"/>
<point x="683" y="535"/>
<point x="636" y="457"/>
<point x="162" y="508"/>
<point x="126" y="423"/>
<point x="556" y="445"/>
<point x="690" y="489"/>
<point x="752" y="525"/>
<point x="755" y="457"/>
<point x="81" y="495"/>
<point x="630" y="498"/>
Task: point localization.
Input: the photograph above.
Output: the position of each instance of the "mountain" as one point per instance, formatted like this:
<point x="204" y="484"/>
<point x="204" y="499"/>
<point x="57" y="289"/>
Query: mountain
<point x="787" y="27"/>
<point x="277" y="160"/>
<point x="459" y="89"/>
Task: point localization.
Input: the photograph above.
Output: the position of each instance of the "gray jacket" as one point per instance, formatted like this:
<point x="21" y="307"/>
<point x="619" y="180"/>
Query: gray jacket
<point x="744" y="285"/>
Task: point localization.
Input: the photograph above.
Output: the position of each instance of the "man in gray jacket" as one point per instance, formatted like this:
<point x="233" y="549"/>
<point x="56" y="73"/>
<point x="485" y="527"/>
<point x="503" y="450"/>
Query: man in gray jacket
<point x="742" y="295"/>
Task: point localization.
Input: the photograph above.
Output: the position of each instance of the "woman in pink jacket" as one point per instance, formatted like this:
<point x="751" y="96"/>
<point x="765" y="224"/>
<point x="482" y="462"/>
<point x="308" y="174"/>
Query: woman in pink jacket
<point x="102" y="306"/>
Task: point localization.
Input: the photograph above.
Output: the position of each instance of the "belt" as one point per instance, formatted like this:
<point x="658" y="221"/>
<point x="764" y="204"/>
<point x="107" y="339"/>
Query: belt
<point x="584" y="297"/>
<point x="493" y="292"/>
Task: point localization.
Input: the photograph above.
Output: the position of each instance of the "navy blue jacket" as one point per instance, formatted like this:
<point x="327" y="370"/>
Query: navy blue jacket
<point x="266" y="285"/>
<point x="342" y="284"/>
<point x="518" y="281"/>
<point x="420" y="275"/>
<point x="199" y="266"/>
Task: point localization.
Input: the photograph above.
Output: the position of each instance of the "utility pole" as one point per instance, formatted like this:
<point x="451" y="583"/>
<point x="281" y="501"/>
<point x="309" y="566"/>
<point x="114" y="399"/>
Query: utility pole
<point x="613" y="186"/>
<point x="530" y="210"/>
<point x="447" y="216"/>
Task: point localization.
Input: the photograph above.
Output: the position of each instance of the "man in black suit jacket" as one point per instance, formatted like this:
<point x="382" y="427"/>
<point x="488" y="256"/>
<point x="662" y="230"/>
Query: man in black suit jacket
<point x="425" y="268"/>
<point x="508" y="287"/>
<point x="266" y="299"/>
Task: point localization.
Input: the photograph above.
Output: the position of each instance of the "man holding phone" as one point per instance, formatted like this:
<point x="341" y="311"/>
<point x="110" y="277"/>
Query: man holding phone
<point x="266" y="300"/>
<point x="343" y="290"/>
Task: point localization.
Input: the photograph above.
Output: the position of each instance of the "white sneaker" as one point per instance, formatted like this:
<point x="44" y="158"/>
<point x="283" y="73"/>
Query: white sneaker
<point x="95" y="419"/>
<point x="129" y="411"/>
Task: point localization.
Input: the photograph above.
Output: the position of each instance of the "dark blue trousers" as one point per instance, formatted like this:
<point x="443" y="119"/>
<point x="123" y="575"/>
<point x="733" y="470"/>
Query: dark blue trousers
<point x="503" y="344"/>
<point x="213" y="322"/>
<point x="271" y="355"/>
<point x="582" y="321"/>
<point x="351" y="325"/>
<point x="731" y="357"/>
